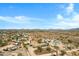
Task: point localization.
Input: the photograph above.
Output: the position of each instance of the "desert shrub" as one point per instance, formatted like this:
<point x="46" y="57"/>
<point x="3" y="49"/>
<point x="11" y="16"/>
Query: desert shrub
<point x="19" y="54"/>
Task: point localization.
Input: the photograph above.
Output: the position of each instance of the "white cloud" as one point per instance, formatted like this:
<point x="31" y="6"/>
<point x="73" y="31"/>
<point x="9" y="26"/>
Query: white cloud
<point x="70" y="8"/>
<point x="68" y="23"/>
<point x="76" y="18"/>
<point x="19" y="19"/>
<point x="15" y="19"/>
<point x="72" y="21"/>
<point x="59" y="16"/>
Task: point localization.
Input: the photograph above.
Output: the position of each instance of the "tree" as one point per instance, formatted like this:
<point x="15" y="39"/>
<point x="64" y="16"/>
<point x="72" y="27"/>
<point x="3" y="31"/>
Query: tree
<point x="40" y="40"/>
<point x="69" y="41"/>
<point x="48" y="49"/>
<point x="26" y="46"/>
<point x="39" y="49"/>
<point x="56" y="47"/>
<point x="73" y="53"/>
<point x="63" y="52"/>
<point x="19" y="54"/>
<point x="2" y="43"/>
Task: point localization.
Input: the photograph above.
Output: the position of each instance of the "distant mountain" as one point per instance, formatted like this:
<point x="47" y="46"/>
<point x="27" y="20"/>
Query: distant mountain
<point x="74" y="29"/>
<point x="51" y="30"/>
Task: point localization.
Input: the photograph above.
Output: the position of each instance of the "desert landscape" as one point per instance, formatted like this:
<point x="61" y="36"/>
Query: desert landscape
<point x="39" y="29"/>
<point x="36" y="42"/>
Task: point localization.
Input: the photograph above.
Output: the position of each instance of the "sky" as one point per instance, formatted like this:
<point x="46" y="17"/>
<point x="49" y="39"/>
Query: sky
<point x="39" y="15"/>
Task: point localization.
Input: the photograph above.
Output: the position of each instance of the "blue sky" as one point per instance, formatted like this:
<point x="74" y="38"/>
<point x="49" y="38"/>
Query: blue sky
<point x="39" y="15"/>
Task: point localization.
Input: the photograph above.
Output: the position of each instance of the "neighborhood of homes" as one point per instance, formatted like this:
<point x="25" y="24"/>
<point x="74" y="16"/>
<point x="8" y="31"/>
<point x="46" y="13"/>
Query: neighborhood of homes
<point x="22" y="44"/>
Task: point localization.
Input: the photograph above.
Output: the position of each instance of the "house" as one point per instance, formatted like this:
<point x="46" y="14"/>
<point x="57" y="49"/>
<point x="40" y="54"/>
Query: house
<point x="11" y="48"/>
<point x="58" y="43"/>
<point x="55" y="42"/>
<point x="45" y="40"/>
